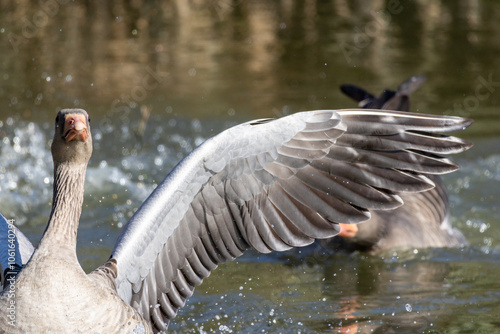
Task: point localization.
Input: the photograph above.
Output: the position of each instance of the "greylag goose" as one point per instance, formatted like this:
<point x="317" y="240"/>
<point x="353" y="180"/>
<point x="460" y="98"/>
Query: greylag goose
<point x="266" y="184"/>
<point x="423" y="221"/>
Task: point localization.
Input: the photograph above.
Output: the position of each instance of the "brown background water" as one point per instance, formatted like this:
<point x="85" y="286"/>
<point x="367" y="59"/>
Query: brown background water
<point x="202" y="66"/>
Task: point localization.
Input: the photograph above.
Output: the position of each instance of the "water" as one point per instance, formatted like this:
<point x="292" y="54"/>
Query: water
<point x="199" y="69"/>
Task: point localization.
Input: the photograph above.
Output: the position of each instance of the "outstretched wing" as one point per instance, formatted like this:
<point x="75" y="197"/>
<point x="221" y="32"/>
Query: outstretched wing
<point x="272" y="185"/>
<point x="15" y="250"/>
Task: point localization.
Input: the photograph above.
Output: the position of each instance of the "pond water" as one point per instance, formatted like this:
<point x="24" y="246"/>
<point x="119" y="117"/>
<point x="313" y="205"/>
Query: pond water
<point x="158" y="78"/>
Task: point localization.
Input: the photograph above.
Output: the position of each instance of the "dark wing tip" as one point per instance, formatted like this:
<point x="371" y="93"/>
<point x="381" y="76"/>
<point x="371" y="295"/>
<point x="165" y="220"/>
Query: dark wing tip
<point x="356" y="93"/>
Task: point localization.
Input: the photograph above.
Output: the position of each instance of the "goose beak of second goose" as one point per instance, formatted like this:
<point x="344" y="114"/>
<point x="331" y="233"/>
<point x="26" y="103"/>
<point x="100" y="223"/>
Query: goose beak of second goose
<point x="348" y="230"/>
<point x="75" y="128"/>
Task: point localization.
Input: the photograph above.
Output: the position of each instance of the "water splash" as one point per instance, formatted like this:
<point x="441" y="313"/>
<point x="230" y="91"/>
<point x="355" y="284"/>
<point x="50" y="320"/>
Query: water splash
<point x="26" y="169"/>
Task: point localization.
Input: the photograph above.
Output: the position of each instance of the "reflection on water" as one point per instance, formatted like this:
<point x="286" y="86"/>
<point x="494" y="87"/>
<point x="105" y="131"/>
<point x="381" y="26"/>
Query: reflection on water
<point x="160" y="77"/>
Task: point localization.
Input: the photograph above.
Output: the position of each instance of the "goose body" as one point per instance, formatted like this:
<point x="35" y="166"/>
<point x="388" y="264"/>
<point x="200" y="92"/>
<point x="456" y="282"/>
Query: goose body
<point x="266" y="184"/>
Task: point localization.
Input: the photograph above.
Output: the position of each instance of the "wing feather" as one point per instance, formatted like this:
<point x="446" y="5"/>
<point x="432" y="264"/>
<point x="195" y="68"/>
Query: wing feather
<point x="403" y="140"/>
<point x="286" y="234"/>
<point x="378" y="177"/>
<point x="402" y="160"/>
<point x="358" y="194"/>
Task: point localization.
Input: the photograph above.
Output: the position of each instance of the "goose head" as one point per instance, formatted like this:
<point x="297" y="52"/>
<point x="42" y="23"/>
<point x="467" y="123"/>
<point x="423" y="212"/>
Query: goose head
<point x="72" y="142"/>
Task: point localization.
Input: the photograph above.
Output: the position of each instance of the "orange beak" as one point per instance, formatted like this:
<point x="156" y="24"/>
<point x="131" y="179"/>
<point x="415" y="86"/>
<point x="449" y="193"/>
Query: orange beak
<point x="348" y="230"/>
<point x="75" y="128"/>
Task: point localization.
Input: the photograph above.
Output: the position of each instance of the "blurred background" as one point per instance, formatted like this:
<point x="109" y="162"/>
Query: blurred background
<point x="160" y="77"/>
